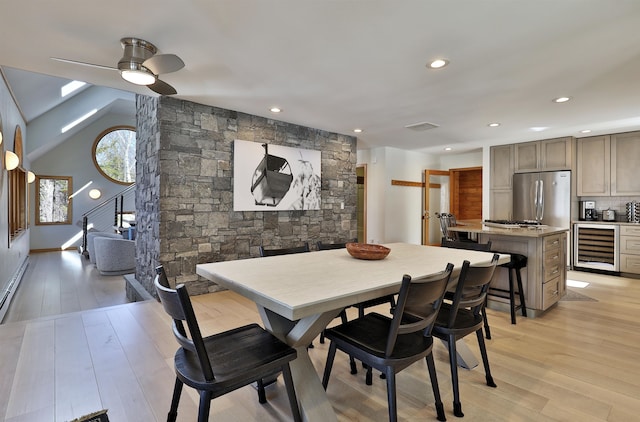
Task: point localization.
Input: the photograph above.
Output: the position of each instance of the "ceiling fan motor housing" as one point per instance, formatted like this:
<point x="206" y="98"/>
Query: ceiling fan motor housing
<point x="136" y="51"/>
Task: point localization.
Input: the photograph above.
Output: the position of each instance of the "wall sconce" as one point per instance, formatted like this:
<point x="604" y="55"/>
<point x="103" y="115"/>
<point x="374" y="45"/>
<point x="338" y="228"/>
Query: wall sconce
<point x="95" y="193"/>
<point x="0" y="137"/>
<point x="31" y="177"/>
<point x="11" y="160"/>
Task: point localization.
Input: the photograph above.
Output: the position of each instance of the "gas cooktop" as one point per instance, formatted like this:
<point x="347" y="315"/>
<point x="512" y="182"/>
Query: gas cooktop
<point x="513" y="224"/>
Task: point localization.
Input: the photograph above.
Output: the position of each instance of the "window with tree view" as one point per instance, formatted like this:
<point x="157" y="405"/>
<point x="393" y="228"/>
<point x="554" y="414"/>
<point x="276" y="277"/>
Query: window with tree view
<point x="114" y="153"/>
<point x="52" y="200"/>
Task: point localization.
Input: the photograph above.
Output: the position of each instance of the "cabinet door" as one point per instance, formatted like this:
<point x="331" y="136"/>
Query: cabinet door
<point x="555" y="154"/>
<point x="593" y="166"/>
<point x="501" y="167"/>
<point x="625" y="156"/>
<point x="527" y="156"/>
<point x="501" y="202"/>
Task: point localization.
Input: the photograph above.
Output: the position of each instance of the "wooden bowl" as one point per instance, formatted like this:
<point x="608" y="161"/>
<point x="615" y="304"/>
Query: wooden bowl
<point x="367" y="251"/>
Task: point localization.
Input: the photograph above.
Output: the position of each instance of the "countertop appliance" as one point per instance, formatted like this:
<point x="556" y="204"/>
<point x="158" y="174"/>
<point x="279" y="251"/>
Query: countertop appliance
<point x="608" y="215"/>
<point x="544" y="197"/>
<point x="633" y="212"/>
<point x="588" y="211"/>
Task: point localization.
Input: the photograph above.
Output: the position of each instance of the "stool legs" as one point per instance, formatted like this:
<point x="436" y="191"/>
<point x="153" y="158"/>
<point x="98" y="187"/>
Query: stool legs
<point x="512" y="298"/>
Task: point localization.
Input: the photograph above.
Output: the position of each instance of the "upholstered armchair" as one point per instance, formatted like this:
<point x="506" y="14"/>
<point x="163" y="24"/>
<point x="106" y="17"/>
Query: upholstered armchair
<point x="91" y="236"/>
<point x="115" y="256"/>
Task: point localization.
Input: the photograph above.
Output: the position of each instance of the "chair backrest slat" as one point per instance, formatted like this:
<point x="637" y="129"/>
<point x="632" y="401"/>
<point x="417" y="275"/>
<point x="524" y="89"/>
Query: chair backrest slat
<point x="471" y="290"/>
<point x="284" y="251"/>
<point x="472" y="246"/>
<point x="419" y="301"/>
<point x="178" y="305"/>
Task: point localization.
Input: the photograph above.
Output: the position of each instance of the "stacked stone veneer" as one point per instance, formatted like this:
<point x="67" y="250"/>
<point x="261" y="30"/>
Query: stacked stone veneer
<point x="184" y="195"/>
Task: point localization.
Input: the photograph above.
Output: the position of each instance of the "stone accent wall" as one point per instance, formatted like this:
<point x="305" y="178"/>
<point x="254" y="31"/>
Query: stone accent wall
<point x="185" y="190"/>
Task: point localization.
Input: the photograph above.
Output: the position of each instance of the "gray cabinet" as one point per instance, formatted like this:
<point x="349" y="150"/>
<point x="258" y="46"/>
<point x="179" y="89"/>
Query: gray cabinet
<point x="630" y="249"/>
<point x="544" y="277"/>
<point x="608" y="165"/>
<point x="593" y="166"/>
<point x="625" y="159"/>
<point x="548" y="154"/>
<point x="501" y="173"/>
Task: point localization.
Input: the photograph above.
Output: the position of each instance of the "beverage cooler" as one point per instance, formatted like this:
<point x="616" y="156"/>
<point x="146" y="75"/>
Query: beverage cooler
<point x="595" y="246"/>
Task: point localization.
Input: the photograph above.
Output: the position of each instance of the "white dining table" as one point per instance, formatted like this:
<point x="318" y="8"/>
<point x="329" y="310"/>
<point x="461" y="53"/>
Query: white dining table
<point x="298" y="295"/>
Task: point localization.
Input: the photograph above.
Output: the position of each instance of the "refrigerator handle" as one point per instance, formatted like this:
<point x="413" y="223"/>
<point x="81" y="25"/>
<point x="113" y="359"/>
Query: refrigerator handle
<point x="535" y="199"/>
<point x="541" y="201"/>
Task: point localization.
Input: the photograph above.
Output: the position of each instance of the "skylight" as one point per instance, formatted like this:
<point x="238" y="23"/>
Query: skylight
<point x="79" y="120"/>
<point x="71" y="87"/>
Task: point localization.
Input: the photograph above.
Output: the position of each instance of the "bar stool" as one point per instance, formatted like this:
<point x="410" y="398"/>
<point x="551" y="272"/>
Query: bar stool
<point x="517" y="262"/>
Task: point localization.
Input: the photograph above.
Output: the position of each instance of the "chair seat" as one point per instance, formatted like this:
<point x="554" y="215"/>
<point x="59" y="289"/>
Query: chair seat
<point x="517" y="261"/>
<point x="237" y="357"/>
<point x="466" y="322"/>
<point x="369" y="333"/>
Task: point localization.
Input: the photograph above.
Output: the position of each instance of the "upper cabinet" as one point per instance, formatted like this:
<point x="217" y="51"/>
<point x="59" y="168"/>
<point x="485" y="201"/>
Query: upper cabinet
<point x="625" y="158"/>
<point x="549" y="154"/>
<point x="500" y="198"/>
<point x="608" y="165"/>
<point x="501" y="166"/>
<point x="593" y="166"/>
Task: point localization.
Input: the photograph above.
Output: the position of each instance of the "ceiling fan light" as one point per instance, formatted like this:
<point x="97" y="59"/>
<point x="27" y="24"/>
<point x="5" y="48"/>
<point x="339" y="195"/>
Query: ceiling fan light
<point x="138" y="76"/>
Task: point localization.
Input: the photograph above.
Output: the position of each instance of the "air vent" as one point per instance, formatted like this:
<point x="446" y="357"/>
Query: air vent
<point x="421" y="126"/>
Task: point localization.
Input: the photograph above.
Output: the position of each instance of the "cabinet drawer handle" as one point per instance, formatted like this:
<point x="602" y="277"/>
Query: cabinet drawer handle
<point x="555" y="271"/>
<point x="555" y="293"/>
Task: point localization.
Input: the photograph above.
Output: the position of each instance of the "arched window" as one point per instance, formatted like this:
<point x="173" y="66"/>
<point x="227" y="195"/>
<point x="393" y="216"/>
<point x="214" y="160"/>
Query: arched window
<point x="114" y="154"/>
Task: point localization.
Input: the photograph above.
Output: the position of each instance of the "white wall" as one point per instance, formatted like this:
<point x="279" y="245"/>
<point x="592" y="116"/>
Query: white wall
<point x="73" y="158"/>
<point x="394" y="213"/>
<point x="11" y="257"/>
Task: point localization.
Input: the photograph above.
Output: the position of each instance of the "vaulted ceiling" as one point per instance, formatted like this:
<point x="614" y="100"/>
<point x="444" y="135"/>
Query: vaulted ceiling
<point x="338" y="65"/>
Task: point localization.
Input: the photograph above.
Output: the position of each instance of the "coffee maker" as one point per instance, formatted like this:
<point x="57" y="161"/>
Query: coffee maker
<point x="588" y="211"/>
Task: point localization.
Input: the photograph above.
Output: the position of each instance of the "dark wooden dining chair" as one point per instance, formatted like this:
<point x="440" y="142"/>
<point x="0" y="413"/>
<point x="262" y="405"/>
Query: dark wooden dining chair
<point x="221" y="363"/>
<point x="162" y="277"/>
<point x="473" y="246"/>
<point x="361" y="307"/>
<point x="392" y="344"/>
<point x="463" y="316"/>
<point x="284" y="251"/>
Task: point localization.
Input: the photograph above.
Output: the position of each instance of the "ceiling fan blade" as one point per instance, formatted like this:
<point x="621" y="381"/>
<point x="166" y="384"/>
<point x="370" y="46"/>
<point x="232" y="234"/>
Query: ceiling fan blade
<point x="99" y="66"/>
<point x="162" y="88"/>
<point x="163" y="63"/>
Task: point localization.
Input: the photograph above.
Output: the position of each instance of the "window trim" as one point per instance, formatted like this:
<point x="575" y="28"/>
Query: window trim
<point x="95" y="147"/>
<point x="69" y="218"/>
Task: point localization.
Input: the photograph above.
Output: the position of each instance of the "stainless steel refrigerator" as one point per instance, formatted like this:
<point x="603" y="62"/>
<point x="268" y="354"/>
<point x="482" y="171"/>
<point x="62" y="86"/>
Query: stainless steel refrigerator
<point x="544" y="197"/>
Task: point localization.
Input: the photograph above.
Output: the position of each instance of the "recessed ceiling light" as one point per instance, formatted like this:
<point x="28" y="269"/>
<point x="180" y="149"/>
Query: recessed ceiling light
<point x="448" y="148"/>
<point x="561" y="99"/>
<point x="494" y="124"/>
<point x="586" y="131"/>
<point x="357" y="130"/>
<point x="538" y="128"/>
<point x="438" y="63"/>
<point x="275" y="109"/>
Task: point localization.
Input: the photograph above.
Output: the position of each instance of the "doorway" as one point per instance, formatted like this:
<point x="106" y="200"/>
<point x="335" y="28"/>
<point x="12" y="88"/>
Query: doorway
<point x="456" y="191"/>
<point x="436" y="200"/>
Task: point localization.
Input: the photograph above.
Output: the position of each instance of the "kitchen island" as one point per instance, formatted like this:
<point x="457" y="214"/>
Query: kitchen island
<point x="545" y="277"/>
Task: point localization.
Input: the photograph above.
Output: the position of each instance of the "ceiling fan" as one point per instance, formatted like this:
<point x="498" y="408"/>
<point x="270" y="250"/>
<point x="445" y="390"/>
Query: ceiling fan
<point x="140" y="65"/>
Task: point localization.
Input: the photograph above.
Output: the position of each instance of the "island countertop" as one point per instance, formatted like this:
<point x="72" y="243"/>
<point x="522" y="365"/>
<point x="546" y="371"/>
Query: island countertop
<point x="476" y="226"/>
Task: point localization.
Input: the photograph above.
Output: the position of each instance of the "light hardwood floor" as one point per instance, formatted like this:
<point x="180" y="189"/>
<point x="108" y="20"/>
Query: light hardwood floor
<point x="577" y="362"/>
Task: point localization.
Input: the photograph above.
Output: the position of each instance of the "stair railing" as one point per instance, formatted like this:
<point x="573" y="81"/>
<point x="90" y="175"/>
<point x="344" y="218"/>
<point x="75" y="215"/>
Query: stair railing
<point x="98" y="217"/>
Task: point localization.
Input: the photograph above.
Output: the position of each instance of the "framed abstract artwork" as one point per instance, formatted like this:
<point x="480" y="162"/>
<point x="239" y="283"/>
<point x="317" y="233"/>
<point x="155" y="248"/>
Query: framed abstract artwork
<point x="270" y="177"/>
